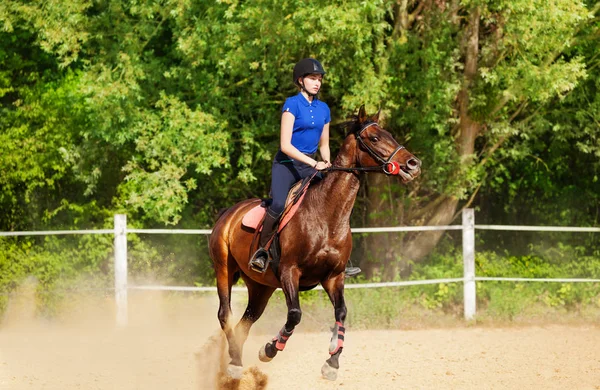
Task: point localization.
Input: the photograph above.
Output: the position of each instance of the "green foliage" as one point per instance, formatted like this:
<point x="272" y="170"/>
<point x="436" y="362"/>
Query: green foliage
<point x="149" y="104"/>
<point x="504" y="301"/>
<point x="511" y="299"/>
<point x="166" y="142"/>
<point x="441" y="296"/>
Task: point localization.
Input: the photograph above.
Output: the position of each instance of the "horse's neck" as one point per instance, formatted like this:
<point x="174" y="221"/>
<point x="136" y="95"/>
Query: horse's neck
<point x="338" y="190"/>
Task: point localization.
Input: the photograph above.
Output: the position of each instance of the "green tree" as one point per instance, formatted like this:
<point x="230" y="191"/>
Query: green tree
<point x="469" y="78"/>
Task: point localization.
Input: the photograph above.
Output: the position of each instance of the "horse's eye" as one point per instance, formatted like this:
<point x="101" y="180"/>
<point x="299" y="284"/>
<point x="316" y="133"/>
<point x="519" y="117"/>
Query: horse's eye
<point x="374" y="138"/>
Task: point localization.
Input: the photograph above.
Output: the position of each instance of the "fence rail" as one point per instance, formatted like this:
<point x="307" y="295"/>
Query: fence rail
<point x="539" y="228"/>
<point x="469" y="278"/>
<point x="56" y="232"/>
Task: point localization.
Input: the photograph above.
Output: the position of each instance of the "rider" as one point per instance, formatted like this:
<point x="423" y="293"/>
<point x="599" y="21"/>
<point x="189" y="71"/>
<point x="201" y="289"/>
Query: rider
<point x="304" y="128"/>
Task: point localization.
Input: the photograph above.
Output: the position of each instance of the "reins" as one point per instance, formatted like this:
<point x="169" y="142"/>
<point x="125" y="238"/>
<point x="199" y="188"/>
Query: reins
<point x="362" y="169"/>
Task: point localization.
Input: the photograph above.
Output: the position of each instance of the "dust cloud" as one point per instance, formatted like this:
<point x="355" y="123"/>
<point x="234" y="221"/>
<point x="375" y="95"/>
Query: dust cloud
<point x="172" y="341"/>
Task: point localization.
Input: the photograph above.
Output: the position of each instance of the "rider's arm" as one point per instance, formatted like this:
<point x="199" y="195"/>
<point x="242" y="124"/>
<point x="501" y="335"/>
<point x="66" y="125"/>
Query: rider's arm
<point x="324" y="145"/>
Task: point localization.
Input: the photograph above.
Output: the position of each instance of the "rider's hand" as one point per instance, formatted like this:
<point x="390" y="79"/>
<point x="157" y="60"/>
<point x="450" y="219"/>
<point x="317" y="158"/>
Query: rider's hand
<point x="322" y="165"/>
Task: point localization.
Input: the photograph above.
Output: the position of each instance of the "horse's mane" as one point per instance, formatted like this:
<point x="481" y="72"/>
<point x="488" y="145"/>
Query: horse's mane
<point x="348" y="127"/>
<point x="344" y="129"/>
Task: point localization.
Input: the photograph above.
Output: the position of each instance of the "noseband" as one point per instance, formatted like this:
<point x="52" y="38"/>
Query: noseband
<point x="387" y="165"/>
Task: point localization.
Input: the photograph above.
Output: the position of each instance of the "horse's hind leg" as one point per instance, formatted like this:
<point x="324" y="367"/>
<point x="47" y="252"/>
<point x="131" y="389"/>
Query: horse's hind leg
<point x="225" y="268"/>
<point x="335" y="289"/>
<point x="290" y="284"/>
<point x="258" y="297"/>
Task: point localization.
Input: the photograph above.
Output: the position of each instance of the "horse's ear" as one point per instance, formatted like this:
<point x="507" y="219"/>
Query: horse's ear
<point x="362" y="115"/>
<point x="375" y="118"/>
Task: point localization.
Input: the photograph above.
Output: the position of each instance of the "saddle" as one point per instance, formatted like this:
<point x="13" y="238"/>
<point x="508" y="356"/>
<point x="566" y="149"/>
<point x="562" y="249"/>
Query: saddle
<point x="254" y="218"/>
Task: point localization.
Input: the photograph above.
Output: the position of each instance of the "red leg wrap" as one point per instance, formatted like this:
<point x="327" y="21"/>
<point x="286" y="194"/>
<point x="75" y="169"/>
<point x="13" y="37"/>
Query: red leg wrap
<point x="282" y="338"/>
<point x="334" y="348"/>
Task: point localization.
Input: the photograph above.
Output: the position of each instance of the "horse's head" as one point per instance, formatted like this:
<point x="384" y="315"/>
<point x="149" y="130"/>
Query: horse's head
<point x="376" y="147"/>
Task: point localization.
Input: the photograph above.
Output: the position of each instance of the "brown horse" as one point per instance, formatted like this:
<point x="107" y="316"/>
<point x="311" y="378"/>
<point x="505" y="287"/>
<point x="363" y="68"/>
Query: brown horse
<point x="315" y="245"/>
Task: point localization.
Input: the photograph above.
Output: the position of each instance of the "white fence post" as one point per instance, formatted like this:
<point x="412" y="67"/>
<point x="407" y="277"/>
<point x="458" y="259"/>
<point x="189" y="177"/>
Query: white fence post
<point x="121" y="268"/>
<point x="468" y="222"/>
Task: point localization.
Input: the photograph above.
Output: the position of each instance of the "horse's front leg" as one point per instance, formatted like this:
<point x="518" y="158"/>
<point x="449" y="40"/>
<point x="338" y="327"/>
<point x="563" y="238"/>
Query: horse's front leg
<point x="290" y="285"/>
<point x="335" y="289"/>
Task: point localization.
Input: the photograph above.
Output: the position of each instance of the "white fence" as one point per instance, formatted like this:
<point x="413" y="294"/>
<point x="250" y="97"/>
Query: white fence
<point x="469" y="278"/>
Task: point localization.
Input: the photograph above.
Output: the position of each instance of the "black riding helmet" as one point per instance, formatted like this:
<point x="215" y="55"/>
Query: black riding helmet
<point x="305" y="67"/>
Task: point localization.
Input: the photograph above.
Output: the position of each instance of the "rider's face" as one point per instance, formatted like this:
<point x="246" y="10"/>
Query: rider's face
<point x="312" y="82"/>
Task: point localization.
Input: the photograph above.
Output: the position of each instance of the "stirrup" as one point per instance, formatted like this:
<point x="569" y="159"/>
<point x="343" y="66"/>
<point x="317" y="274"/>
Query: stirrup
<point x="352" y="271"/>
<point x="259" y="261"/>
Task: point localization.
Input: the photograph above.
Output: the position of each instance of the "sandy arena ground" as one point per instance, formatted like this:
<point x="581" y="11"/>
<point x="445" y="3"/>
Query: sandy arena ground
<point x="171" y="344"/>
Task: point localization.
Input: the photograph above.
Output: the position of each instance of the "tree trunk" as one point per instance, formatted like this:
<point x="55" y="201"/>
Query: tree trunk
<point x="416" y="246"/>
<point x="469" y="129"/>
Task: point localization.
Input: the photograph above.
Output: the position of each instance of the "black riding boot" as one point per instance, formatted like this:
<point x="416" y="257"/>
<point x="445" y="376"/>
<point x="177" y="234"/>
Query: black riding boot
<point x="258" y="262"/>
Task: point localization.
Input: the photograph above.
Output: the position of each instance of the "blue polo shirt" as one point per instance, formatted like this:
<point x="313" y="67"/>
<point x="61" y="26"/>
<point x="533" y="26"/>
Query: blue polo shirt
<point x="309" y="122"/>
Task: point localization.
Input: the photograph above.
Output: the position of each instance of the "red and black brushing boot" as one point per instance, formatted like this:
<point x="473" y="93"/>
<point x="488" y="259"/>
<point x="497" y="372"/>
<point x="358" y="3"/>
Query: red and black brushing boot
<point x="267" y="353"/>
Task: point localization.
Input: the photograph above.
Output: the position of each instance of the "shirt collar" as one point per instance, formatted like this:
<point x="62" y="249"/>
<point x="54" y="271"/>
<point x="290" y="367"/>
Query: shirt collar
<point x="305" y="102"/>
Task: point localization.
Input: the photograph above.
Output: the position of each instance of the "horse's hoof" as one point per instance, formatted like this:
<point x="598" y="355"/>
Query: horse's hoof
<point x="329" y="372"/>
<point x="235" y="372"/>
<point x="262" y="355"/>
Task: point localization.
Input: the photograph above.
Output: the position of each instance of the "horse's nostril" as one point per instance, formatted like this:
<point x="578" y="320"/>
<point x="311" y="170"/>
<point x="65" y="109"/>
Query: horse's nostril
<point x="413" y="163"/>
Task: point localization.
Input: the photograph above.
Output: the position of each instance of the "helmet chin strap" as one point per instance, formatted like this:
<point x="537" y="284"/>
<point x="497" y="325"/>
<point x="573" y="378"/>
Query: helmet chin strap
<point x="312" y="95"/>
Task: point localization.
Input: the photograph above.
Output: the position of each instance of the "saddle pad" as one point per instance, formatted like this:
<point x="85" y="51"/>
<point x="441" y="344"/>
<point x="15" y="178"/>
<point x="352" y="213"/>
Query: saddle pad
<point x="253" y="217"/>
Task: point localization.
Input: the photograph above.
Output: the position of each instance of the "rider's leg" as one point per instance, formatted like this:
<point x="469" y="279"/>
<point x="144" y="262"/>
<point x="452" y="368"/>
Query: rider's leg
<point x="283" y="176"/>
<point x="259" y="259"/>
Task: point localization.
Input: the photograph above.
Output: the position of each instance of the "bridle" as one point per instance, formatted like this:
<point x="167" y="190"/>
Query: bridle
<point x="387" y="166"/>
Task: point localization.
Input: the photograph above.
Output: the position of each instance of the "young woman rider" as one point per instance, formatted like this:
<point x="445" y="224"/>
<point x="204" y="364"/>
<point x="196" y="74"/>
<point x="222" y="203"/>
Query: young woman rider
<point x="304" y="129"/>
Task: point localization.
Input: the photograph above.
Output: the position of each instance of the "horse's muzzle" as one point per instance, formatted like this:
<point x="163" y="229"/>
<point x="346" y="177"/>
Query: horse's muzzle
<point x="411" y="170"/>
